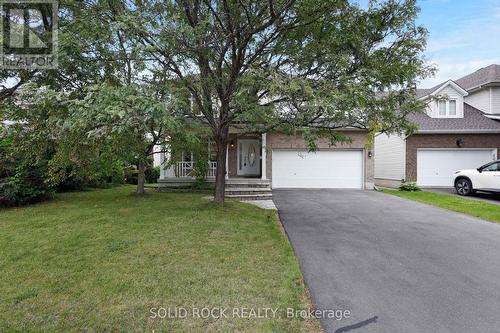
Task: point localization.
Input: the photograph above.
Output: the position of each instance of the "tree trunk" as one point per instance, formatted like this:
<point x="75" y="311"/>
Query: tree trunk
<point x="220" y="172"/>
<point x="141" y="178"/>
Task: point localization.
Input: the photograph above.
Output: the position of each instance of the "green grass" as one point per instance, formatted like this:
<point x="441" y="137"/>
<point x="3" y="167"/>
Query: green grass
<point x="98" y="261"/>
<point x="476" y="208"/>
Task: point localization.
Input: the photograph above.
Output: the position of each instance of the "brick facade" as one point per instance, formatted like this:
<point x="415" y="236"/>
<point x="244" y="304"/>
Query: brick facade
<point x="277" y="140"/>
<point x="417" y="141"/>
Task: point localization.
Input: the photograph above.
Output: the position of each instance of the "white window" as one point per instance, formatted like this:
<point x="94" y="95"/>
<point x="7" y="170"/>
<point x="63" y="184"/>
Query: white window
<point x="447" y="108"/>
<point x="452" y="108"/>
<point x="442" y="108"/>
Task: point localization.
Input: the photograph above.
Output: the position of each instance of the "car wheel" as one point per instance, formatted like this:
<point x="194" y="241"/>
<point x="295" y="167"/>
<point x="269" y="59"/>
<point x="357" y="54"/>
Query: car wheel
<point x="463" y="186"/>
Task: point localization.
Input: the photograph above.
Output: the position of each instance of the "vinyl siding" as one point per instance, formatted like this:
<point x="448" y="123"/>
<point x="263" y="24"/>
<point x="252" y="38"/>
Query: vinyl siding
<point x="480" y="100"/>
<point x="495" y="100"/>
<point x="451" y="93"/>
<point x="390" y="157"/>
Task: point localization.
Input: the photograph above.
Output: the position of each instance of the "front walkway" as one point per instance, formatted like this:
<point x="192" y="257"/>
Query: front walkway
<point x="264" y="204"/>
<point x="396" y="265"/>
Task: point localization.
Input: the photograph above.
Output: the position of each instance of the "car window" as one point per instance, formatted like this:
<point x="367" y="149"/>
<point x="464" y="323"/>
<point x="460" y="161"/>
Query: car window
<point x="493" y="167"/>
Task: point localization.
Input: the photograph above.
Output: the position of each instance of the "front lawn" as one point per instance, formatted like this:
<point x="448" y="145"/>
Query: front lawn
<point x="483" y="210"/>
<point x="105" y="261"/>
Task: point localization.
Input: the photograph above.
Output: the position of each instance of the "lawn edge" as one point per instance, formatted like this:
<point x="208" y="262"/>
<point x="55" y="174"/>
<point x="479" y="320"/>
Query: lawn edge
<point x="310" y="324"/>
<point x="384" y="190"/>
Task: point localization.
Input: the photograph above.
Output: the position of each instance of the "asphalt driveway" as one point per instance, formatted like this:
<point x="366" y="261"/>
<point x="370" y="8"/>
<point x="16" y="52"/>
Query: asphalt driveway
<point x="395" y="264"/>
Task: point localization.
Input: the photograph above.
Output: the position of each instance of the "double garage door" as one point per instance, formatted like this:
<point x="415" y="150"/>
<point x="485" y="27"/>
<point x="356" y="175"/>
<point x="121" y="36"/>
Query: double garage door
<point x="436" y="167"/>
<point x="320" y="169"/>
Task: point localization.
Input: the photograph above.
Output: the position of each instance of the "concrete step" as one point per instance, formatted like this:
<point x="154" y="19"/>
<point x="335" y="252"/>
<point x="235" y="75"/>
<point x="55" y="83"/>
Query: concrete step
<point x="243" y="192"/>
<point x="244" y="197"/>
<point x="247" y="180"/>
<point x="246" y="184"/>
<point x="251" y="190"/>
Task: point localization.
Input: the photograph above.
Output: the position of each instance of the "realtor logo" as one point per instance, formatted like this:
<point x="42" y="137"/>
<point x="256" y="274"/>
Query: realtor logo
<point x="29" y="34"/>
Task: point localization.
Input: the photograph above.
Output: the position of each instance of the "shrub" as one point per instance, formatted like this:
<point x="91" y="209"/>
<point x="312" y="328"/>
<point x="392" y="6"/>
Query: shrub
<point x="25" y="187"/>
<point x="68" y="175"/>
<point x="131" y="175"/>
<point x="152" y="174"/>
<point x="7" y="162"/>
<point x="22" y="181"/>
<point x="117" y="175"/>
<point x="202" y="186"/>
<point x="108" y="173"/>
<point x="200" y="170"/>
<point x="410" y="187"/>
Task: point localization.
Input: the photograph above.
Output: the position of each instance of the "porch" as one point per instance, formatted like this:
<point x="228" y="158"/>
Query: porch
<point x="245" y="159"/>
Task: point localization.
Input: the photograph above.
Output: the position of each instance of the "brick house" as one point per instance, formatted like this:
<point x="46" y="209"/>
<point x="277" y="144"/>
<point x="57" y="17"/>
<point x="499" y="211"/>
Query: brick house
<point x="459" y="130"/>
<point x="278" y="160"/>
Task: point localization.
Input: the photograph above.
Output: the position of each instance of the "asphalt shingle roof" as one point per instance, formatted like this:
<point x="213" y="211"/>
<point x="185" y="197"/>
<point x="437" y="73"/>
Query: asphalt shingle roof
<point x="473" y="120"/>
<point x="481" y="77"/>
<point x="424" y="92"/>
<point x="490" y="74"/>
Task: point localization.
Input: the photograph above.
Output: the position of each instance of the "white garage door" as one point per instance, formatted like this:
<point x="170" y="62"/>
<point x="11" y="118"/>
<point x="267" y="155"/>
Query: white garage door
<point x="436" y="167"/>
<point x="320" y="169"/>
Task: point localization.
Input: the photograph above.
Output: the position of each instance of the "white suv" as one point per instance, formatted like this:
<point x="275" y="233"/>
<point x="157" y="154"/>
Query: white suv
<point x="485" y="178"/>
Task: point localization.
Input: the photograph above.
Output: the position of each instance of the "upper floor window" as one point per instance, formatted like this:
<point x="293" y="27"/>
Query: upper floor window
<point x="447" y="108"/>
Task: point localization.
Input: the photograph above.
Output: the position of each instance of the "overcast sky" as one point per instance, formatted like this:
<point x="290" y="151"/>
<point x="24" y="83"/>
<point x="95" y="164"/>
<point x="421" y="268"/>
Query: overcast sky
<point x="464" y="35"/>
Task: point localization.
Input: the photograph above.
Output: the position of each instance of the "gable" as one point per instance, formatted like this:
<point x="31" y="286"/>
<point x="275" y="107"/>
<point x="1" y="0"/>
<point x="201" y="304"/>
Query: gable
<point x="449" y="85"/>
<point x="450" y="98"/>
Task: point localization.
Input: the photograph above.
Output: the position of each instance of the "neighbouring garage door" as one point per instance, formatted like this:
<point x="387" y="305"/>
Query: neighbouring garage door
<point x="436" y="167"/>
<point x="320" y="169"/>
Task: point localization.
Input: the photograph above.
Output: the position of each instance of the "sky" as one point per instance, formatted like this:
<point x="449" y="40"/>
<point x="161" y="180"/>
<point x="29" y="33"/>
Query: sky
<point x="464" y="36"/>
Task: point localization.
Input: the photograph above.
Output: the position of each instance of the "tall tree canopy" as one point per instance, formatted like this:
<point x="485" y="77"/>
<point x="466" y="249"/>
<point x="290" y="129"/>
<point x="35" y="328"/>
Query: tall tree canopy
<point x="285" y="63"/>
<point x="108" y="103"/>
<point x="259" y="65"/>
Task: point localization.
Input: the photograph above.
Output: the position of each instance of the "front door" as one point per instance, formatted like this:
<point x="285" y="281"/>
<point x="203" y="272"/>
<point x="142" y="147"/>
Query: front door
<point x="248" y="157"/>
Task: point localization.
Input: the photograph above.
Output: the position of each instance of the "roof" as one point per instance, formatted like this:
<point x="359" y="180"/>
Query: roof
<point x="424" y="92"/>
<point x="436" y="89"/>
<point x="473" y="121"/>
<point x="481" y="77"/>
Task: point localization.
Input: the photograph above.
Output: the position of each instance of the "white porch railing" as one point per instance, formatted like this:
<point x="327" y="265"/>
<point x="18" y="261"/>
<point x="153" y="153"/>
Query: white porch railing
<point x="212" y="166"/>
<point x="186" y="169"/>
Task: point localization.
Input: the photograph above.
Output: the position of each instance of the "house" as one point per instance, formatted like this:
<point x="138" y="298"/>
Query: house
<point x="278" y="160"/>
<point x="459" y="130"/>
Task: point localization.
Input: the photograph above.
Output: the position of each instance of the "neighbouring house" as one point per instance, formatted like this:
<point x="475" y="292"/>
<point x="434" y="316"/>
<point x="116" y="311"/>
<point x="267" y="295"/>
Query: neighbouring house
<point x="277" y="160"/>
<point x="459" y="130"/>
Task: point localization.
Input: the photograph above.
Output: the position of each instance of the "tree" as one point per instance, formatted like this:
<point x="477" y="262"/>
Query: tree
<point x="285" y="63"/>
<point x="94" y="48"/>
<point x="134" y="109"/>
<point x="27" y="148"/>
<point x="83" y="53"/>
<point x="125" y="120"/>
<point x="266" y="64"/>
